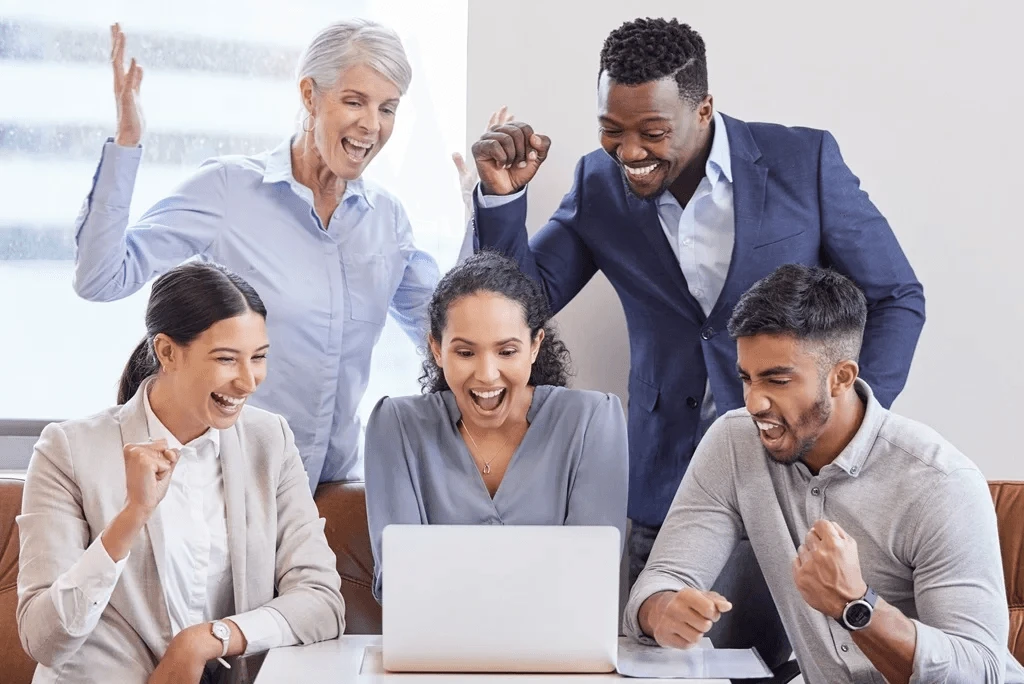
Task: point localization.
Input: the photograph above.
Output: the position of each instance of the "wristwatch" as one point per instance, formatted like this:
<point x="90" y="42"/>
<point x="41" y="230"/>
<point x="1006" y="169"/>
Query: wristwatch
<point x="857" y="613"/>
<point x="222" y="632"/>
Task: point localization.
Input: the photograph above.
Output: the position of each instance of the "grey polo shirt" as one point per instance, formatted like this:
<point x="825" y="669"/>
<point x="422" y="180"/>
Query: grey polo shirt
<point x="921" y="514"/>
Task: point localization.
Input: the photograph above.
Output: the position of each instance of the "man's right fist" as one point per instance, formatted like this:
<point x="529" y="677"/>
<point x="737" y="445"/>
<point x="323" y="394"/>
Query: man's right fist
<point x="508" y="156"/>
<point x="682" y="619"/>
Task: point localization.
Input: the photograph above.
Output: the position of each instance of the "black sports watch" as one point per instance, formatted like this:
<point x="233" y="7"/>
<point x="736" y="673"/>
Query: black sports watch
<point x="857" y="613"/>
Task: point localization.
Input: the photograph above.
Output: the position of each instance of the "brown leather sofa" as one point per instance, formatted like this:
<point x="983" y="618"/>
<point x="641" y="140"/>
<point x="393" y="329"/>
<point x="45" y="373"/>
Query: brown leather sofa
<point x="1009" y="500"/>
<point x="343" y="505"/>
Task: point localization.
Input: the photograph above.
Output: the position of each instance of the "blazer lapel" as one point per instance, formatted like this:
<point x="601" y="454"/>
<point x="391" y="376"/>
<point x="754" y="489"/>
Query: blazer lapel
<point x="749" y="178"/>
<point x="646" y="213"/>
<point x="233" y="468"/>
<point x="139" y="595"/>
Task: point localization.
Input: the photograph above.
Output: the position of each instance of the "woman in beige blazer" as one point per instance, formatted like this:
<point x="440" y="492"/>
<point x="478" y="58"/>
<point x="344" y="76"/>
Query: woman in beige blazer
<point x="175" y="529"/>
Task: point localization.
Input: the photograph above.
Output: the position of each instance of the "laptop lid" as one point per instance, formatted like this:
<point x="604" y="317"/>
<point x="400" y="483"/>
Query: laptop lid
<point x="468" y="598"/>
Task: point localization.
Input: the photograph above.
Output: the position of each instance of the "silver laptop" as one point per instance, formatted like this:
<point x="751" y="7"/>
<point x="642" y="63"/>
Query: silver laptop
<point x="466" y="598"/>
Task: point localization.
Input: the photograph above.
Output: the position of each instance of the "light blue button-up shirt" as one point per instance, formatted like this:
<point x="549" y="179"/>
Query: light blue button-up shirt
<point x="702" y="235"/>
<point x="327" y="292"/>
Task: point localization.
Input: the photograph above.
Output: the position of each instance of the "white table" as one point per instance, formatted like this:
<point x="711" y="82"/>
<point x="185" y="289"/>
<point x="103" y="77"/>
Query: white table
<point x="357" y="659"/>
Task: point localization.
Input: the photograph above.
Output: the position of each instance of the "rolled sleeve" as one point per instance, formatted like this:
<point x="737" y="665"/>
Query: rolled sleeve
<point x="81" y="594"/>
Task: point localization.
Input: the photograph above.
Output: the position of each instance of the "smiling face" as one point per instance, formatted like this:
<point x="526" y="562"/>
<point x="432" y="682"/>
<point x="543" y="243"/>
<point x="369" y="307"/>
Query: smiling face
<point x="651" y="131"/>
<point x="353" y="120"/>
<point x="785" y="393"/>
<point x="487" y="355"/>
<point x="210" y="378"/>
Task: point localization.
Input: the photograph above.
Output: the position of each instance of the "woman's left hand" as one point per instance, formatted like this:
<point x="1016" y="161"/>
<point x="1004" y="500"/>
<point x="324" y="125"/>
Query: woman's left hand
<point x="185" y="658"/>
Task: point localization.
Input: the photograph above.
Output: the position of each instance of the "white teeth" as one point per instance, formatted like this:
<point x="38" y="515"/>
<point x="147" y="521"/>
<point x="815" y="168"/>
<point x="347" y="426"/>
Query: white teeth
<point x="488" y="395"/>
<point x="641" y="171"/>
<point x="766" y="426"/>
<point x="358" y="143"/>
<point x="233" y="401"/>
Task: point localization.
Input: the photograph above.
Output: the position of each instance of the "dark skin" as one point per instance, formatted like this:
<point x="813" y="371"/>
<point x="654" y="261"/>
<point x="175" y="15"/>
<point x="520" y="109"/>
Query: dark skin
<point x="640" y="126"/>
<point x="804" y="416"/>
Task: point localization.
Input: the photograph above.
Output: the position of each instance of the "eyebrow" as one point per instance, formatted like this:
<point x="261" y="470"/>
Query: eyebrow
<point x="769" y="372"/>
<point x="235" y="351"/>
<point x="363" y="95"/>
<point x="650" y="119"/>
<point x="502" y="343"/>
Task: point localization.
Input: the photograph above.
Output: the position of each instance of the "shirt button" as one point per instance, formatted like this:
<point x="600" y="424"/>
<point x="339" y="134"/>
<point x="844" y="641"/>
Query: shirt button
<point x="815" y="491"/>
<point x="853" y="470"/>
<point x="698" y="293"/>
<point x="707" y="333"/>
<point x="844" y="648"/>
<point x="687" y="242"/>
<point x="691" y="402"/>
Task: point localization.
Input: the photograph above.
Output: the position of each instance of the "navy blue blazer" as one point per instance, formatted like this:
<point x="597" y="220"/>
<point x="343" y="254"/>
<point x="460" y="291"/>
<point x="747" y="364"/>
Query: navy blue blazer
<point x="795" y="201"/>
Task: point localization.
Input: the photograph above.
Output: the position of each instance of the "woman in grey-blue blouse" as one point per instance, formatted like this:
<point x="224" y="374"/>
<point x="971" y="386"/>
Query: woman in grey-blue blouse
<point x="497" y="438"/>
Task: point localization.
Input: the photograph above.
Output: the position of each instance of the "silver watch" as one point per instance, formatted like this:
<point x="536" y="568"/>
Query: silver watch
<point x="222" y="632"/>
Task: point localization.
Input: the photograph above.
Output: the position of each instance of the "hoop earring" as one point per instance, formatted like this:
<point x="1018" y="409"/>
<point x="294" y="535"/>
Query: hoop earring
<point x="304" y="121"/>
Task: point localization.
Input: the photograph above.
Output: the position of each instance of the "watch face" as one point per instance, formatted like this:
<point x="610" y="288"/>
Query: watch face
<point x="221" y="631"/>
<point x="858" y="614"/>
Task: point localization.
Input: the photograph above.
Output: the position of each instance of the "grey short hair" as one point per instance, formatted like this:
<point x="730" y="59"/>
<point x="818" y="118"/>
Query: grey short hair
<point x="352" y="42"/>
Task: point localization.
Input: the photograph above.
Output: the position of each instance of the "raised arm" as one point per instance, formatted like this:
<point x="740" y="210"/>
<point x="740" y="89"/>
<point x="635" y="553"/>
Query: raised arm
<point x="507" y="158"/>
<point x="859" y="243"/>
<point x="113" y="260"/>
<point x="65" y="580"/>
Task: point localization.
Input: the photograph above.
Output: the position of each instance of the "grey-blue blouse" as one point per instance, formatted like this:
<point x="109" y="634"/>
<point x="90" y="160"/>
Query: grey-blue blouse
<point x="570" y="469"/>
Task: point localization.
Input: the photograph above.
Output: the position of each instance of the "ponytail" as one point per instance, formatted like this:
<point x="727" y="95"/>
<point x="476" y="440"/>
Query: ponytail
<point x="140" y="366"/>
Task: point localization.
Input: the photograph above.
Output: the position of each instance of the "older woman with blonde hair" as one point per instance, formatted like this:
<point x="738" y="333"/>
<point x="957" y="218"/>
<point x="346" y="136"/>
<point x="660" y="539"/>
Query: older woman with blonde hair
<point x="329" y="252"/>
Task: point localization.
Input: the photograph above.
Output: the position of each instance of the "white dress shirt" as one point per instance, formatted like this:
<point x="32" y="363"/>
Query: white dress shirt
<point x="701" y="236"/>
<point x="191" y="549"/>
<point x="193" y="554"/>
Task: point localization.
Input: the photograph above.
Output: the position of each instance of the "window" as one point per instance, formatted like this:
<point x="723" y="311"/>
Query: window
<point x="219" y="79"/>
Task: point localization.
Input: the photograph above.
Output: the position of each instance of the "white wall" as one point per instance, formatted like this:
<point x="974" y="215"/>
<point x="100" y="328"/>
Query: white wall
<point x="924" y="108"/>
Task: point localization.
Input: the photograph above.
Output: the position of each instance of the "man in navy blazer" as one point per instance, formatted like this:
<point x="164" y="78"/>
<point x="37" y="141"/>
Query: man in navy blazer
<point x="683" y="210"/>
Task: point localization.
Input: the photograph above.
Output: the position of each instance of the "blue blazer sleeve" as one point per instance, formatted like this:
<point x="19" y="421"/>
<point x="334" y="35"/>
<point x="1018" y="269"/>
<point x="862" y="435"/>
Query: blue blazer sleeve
<point x="556" y="257"/>
<point x="390" y="495"/>
<point x="858" y="242"/>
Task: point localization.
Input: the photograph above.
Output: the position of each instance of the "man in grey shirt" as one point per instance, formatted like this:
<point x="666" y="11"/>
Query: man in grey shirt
<point x="876" y="536"/>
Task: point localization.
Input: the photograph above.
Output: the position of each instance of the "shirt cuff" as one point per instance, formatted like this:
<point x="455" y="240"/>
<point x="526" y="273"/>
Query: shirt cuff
<point x="115" y="177"/>
<point x="493" y="201"/>
<point x="81" y="594"/>
<point x="263" y="629"/>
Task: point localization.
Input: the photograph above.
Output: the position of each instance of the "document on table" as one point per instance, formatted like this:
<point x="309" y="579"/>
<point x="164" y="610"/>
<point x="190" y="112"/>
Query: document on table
<point x="639" y="660"/>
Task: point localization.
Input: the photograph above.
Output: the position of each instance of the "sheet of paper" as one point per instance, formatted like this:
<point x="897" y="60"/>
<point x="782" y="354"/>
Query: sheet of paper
<point x="639" y="660"/>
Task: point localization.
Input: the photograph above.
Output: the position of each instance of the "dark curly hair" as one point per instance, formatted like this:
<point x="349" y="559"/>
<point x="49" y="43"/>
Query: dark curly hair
<point x="489" y="271"/>
<point x="646" y="50"/>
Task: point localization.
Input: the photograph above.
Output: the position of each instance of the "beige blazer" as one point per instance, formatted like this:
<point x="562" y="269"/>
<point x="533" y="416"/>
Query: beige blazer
<point x="76" y="485"/>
